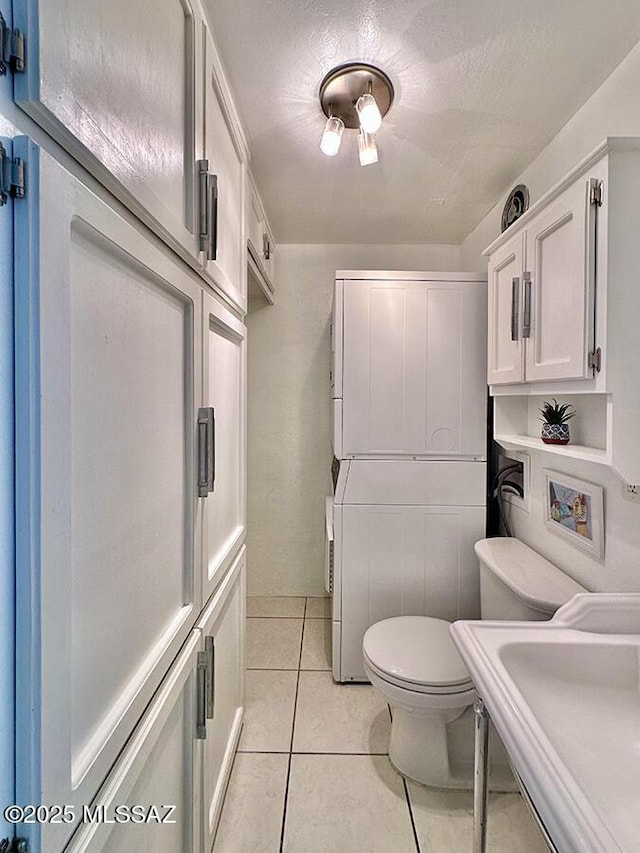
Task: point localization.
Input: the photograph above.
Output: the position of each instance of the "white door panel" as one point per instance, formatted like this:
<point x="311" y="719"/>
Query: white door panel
<point x="118" y="94"/>
<point x="399" y="561"/>
<point x="559" y="256"/>
<point x="108" y="369"/>
<point x="226" y="162"/>
<point x="223" y="626"/>
<point x="159" y="767"/>
<point x="414" y="368"/>
<point x="505" y="297"/>
<point x="224" y="511"/>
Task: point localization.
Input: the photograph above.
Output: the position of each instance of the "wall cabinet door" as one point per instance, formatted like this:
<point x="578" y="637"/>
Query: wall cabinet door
<point x="222" y="625"/>
<point x="505" y="361"/>
<point x="224" y="389"/>
<point x="414" y="367"/>
<point x="560" y="258"/>
<point x="118" y="93"/>
<point x="158" y="768"/>
<point x="221" y="149"/>
<point x="107" y="378"/>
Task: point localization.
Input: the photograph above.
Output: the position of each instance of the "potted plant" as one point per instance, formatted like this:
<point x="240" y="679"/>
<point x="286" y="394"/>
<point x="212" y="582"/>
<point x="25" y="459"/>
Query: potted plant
<point x="555" y="429"/>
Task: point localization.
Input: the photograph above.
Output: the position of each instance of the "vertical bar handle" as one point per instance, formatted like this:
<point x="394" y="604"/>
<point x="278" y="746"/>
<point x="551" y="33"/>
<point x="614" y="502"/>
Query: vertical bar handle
<point x="515" y="308"/>
<point x="210" y="651"/>
<point x="526" y="319"/>
<point x="212" y="211"/>
<point x="206" y="451"/>
<point x="202" y="167"/>
<point x="201" y="696"/>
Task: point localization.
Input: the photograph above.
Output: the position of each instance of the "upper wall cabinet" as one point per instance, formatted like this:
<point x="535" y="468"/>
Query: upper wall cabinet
<point x="119" y="95"/>
<point x="563" y="308"/>
<point x="224" y="198"/>
<point x="261" y="250"/>
<point x="541" y="291"/>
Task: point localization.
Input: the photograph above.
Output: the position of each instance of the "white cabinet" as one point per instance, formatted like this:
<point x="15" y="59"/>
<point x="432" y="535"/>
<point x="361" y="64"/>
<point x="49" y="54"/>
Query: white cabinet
<point x="260" y="249"/>
<point x="541" y="291"/>
<point x="108" y="583"/>
<point x="223" y="151"/>
<point x="224" y="390"/>
<point x="114" y="84"/>
<point x="409" y="365"/>
<point x="222" y="625"/>
<point x="579" y="248"/>
<point x="179" y="757"/>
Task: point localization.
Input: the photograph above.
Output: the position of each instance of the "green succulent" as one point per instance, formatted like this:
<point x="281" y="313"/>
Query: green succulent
<point x="556" y="413"/>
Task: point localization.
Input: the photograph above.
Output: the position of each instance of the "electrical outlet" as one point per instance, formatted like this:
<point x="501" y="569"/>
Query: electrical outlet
<point x="631" y="492"/>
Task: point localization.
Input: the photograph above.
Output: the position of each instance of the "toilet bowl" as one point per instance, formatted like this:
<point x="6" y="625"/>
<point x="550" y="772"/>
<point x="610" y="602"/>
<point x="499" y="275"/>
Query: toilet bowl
<point x="413" y="663"/>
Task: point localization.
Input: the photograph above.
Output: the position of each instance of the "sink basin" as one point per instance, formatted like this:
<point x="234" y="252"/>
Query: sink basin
<point x="565" y="698"/>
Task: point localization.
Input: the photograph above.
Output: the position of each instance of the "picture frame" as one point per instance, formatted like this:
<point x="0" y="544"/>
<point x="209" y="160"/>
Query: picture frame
<point x="574" y="509"/>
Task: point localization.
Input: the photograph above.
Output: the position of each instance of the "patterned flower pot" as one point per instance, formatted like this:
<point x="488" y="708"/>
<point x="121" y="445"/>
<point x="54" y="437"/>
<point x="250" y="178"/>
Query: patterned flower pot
<point x="555" y="433"/>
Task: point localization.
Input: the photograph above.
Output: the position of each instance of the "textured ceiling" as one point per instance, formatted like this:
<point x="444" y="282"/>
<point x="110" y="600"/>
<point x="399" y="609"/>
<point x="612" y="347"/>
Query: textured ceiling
<point x="481" y="86"/>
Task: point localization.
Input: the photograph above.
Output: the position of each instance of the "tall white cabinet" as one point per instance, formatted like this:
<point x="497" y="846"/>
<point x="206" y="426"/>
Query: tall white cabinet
<point x="130" y="399"/>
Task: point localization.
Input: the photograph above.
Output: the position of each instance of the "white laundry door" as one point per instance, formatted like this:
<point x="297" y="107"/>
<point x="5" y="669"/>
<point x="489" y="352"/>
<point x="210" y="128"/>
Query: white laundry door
<point x="7" y="561"/>
<point x="107" y="372"/>
<point x="405" y="561"/>
<point x="113" y="82"/>
<point x="224" y="381"/>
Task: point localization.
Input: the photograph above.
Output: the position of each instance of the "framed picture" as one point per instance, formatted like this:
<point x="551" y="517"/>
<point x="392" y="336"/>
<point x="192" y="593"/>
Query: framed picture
<point x="574" y="509"/>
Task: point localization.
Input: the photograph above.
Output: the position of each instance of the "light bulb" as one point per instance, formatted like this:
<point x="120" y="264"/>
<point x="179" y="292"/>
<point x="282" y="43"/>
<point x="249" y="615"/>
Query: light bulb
<point x="368" y="113"/>
<point x="367" y="148"/>
<point x="330" y="143"/>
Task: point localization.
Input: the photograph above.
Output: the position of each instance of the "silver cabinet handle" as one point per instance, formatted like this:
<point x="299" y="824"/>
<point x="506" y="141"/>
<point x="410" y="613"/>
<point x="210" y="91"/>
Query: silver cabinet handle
<point x="206" y="451"/>
<point x="526" y="319"/>
<point x="210" y="651"/>
<point x="515" y="308"/>
<point x="202" y="167"/>
<point x="201" y="696"/>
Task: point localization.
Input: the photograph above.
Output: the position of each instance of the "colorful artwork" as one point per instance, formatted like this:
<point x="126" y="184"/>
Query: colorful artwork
<point x="570" y="508"/>
<point x="574" y="509"/>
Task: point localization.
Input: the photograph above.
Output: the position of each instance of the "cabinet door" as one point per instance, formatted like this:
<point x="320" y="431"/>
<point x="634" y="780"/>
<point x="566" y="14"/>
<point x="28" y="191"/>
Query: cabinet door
<point x="114" y="84"/>
<point x="107" y="372"/>
<point x="226" y="163"/>
<point x="414" y="368"/>
<point x="405" y="561"/>
<point x="158" y="768"/>
<point x="505" y="347"/>
<point x="7" y="521"/>
<point x="222" y="625"/>
<point x="560" y="243"/>
<point x="224" y="509"/>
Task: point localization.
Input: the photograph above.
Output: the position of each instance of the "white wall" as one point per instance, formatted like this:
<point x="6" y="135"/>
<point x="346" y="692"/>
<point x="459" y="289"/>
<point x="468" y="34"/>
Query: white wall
<point x="289" y="408"/>
<point x="612" y="111"/>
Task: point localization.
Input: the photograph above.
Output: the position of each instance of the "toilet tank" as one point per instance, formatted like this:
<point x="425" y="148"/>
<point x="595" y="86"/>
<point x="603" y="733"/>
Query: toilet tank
<point x="516" y="583"/>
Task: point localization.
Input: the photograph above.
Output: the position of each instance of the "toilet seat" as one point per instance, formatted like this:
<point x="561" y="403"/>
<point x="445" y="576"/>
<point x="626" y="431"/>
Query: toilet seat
<point x="416" y="653"/>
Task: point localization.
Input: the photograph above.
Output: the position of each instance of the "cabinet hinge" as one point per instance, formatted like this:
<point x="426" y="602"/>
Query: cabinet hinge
<point x="11" y="50"/>
<point x="596" y="192"/>
<point x="15" y="845"/>
<point x="595" y="359"/>
<point x="11" y="179"/>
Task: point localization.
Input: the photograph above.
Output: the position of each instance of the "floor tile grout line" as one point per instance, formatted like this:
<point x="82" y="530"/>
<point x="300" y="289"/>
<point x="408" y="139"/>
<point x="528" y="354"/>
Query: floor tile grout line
<point x="293" y="729"/>
<point x="413" y="823"/>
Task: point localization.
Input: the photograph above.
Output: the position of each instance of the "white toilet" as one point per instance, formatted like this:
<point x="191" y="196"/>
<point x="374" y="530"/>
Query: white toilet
<point x="415" y="665"/>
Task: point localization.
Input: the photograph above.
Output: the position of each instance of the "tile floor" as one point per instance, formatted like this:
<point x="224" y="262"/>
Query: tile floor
<point x="311" y="773"/>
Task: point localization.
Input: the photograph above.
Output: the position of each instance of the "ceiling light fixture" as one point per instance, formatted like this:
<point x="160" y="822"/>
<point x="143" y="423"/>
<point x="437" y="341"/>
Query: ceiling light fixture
<point x="356" y="95"/>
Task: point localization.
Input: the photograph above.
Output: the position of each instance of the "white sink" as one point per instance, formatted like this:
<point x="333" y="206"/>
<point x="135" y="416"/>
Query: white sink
<point x="565" y="698"/>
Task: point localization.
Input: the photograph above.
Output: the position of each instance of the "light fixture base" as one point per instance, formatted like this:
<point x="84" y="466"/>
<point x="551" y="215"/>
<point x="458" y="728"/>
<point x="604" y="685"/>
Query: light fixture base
<point x="343" y="85"/>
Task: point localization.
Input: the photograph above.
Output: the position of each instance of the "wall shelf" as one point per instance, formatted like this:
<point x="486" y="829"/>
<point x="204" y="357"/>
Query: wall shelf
<point x="571" y="451"/>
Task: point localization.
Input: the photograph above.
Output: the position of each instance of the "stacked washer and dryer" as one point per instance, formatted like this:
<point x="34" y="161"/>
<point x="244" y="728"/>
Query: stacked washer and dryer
<point x="409" y="430"/>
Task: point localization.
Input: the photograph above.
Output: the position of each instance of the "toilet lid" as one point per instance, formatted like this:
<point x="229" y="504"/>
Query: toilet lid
<point x="416" y="649"/>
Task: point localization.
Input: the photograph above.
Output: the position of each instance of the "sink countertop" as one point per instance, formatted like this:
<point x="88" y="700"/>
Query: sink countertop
<point x="565" y="698"/>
